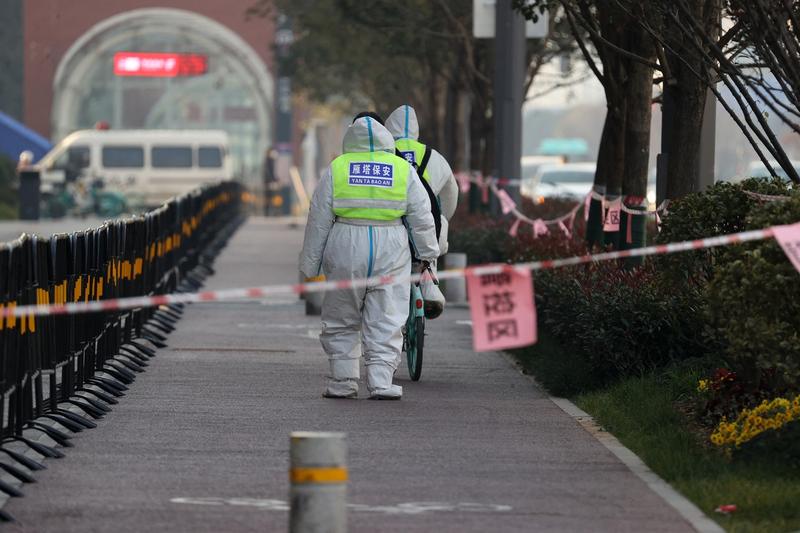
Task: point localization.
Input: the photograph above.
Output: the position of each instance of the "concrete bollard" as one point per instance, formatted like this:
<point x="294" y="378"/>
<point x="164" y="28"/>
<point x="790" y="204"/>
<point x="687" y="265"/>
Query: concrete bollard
<point x="318" y="475"/>
<point x="455" y="290"/>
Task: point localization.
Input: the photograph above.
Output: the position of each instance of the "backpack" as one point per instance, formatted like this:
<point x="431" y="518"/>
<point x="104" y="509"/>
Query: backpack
<point x="436" y="210"/>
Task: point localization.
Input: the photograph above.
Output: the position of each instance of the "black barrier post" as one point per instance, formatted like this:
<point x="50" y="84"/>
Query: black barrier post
<point x="86" y="360"/>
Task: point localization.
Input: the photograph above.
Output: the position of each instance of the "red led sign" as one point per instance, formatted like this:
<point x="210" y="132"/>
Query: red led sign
<point x="159" y="65"/>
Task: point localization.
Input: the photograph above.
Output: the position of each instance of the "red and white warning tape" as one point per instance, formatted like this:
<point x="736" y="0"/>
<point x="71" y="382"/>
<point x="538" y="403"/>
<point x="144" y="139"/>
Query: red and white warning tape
<point x="322" y="286"/>
<point x="541" y="226"/>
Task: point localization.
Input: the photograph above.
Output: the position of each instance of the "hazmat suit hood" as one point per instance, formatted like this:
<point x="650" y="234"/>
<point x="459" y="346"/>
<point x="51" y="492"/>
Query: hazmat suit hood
<point x="403" y="124"/>
<point x="367" y="135"/>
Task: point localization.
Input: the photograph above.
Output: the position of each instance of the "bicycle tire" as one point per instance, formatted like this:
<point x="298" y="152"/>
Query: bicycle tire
<point x="415" y="348"/>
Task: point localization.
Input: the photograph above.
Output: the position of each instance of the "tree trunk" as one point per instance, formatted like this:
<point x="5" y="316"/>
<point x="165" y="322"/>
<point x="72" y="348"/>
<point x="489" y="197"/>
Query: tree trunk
<point x="689" y="96"/>
<point x="460" y="159"/>
<point x="611" y="163"/>
<point x="683" y="161"/>
<point x="432" y="123"/>
<point x="639" y="89"/>
<point x="450" y="126"/>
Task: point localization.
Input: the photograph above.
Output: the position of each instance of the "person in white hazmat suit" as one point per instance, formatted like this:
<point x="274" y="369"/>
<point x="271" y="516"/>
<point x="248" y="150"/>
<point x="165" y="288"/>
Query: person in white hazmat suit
<point x="404" y="127"/>
<point x="355" y="230"/>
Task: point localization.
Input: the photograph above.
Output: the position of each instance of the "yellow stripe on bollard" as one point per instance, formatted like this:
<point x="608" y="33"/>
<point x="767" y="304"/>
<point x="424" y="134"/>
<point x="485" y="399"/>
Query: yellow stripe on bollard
<point x="318" y="475"/>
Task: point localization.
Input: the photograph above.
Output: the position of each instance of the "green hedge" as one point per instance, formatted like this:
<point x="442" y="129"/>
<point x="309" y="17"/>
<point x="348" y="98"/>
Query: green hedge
<point x="754" y="303"/>
<point x="723" y="208"/>
<point x="621" y="322"/>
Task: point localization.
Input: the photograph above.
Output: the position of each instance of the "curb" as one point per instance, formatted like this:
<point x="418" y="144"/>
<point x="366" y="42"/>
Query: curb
<point x="688" y="510"/>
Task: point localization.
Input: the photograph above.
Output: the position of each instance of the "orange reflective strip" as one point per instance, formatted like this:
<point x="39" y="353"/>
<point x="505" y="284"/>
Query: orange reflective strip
<point x="321" y="475"/>
<point x="137" y="266"/>
<point x="11" y="320"/>
<point x="78" y="289"/>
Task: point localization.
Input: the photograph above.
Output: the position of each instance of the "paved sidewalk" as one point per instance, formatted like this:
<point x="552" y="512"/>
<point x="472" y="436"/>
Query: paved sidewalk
<point x="200" y="443"/>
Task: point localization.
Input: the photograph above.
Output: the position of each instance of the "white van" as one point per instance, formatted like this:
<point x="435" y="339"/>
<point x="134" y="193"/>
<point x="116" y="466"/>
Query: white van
<point x="147" y="166"/>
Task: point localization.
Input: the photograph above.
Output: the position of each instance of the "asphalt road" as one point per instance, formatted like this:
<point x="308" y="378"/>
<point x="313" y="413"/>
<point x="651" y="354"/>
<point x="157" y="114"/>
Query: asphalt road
<point x="200" y="443"/>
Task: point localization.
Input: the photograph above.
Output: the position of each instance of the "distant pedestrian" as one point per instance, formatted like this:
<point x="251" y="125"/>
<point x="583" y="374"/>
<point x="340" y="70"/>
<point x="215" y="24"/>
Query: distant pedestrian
<point x="25" y="161"/>
<point x="270" y="179"/>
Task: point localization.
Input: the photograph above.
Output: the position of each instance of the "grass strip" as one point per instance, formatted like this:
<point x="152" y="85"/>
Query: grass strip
<point x="644" y="414"/>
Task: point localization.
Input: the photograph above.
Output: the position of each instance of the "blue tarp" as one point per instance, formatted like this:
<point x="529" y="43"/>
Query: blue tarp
<point x="15" y="138"/>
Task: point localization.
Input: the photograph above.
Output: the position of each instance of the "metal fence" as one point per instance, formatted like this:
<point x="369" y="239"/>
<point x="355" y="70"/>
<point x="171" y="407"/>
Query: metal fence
<point x="69" y="369"/>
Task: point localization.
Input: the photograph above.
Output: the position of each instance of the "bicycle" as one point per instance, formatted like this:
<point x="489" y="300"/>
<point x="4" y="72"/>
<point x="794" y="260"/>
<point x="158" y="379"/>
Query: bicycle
<point x="414" y="332"/>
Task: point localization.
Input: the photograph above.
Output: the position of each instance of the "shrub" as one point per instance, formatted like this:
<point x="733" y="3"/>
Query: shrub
<point x="479" y="236"/>
<point x="622" y="322"/>
<point x="720" y="209"/>
<point x="754" y="303"/>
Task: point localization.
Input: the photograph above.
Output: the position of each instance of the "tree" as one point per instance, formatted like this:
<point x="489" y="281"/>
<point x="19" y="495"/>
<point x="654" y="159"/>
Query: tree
<point x="755" y="59"/>
<point x="382" y="54"/>
<point x="626" y="59"/>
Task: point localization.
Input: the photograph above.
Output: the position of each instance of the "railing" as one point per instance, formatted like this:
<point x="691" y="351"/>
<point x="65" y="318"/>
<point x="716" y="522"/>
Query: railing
<point x="69" y="369"/>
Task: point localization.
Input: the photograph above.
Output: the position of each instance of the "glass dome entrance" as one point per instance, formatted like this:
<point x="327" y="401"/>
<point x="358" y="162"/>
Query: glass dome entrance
<point x="234" y="94"/>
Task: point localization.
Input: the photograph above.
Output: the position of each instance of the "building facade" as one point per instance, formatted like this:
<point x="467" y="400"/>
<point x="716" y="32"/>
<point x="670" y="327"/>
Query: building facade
<point x="11" y="58"/>
<point x="183" y="64"/>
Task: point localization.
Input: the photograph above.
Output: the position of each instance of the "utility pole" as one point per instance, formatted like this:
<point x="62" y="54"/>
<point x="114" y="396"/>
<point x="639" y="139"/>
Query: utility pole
<point x="509" y="82"/>
<point x="708" y="137"/>
<point x="284" y="38"/>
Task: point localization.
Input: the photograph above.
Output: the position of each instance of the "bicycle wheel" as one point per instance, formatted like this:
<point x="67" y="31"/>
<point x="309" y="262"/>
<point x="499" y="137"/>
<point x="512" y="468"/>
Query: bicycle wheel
<point x="415" y="343"/>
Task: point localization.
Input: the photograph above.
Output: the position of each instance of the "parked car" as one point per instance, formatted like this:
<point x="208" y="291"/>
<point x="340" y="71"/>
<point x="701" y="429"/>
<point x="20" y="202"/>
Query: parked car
<point x="757" y="169"/>
<point x="569" y="180"/>
<point x="530" y="165"/>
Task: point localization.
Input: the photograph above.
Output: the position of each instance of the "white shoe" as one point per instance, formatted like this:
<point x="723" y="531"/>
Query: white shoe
<point x="394" y="392"/>
<point x="341" y="388"/>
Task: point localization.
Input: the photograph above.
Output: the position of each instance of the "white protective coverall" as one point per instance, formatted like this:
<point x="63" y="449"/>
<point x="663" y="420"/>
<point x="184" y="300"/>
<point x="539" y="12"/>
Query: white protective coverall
<point x="403" y="124"/>
<point x="352" y="249"/>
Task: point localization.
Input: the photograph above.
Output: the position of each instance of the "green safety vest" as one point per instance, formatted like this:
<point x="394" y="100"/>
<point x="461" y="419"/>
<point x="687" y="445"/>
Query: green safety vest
<point x="370" y="185"/>
<point x="413" y="151"/>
